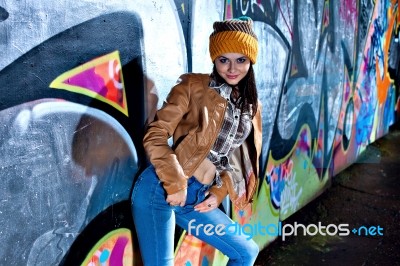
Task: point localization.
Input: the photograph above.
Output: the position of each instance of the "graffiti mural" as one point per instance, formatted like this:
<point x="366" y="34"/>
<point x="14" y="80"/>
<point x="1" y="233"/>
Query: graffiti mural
<point x="79" y="83"/>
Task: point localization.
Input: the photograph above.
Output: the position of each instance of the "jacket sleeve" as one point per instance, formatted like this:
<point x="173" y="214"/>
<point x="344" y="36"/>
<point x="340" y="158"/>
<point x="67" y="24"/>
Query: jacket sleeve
<point x="221" y="192"/>
<point x="155" y="141"/>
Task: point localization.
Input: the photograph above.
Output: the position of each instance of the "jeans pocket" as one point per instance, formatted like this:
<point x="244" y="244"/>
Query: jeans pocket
<point x="192" y="191"/>
<point x="196" y="192"/>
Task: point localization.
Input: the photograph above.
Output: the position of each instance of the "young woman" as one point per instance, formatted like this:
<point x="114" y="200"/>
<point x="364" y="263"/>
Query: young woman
<point x="215" y="122"/>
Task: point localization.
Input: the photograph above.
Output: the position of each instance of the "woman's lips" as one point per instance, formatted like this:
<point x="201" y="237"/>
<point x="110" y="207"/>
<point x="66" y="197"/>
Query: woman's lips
<point x="232" y="76"/>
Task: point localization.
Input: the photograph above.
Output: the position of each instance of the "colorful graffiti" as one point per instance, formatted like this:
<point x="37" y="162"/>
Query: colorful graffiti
<point x="79" y="83"/>
<point x="115" y="248"/>
<point x="100" y="78"/>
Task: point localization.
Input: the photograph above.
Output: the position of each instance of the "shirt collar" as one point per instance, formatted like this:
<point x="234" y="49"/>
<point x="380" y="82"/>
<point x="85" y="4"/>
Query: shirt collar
<point x="222" y="88"/>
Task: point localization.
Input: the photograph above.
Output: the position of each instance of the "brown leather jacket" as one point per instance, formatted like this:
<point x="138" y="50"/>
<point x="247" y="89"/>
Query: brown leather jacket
<point x="193" y="114"/>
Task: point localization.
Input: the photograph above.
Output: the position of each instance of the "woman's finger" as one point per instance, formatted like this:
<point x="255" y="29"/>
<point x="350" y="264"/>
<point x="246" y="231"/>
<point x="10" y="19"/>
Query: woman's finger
<point x="206" y="206"/>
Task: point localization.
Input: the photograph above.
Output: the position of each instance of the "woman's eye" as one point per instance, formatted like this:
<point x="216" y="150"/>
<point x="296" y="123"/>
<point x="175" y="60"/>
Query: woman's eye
<point x="241" y="60"/>
<point x="223" y="60"/>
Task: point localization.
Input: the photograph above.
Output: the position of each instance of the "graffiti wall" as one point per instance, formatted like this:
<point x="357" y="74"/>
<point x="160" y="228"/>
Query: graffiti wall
<point x="80" y="79"/>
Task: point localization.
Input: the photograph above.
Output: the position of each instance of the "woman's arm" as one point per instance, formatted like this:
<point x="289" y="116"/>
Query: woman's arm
<point x="161" y="129"/>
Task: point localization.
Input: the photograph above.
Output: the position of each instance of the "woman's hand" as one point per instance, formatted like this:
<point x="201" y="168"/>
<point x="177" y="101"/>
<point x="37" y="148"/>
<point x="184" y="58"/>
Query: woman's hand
<point x="178" y="198"/>
<point x="210" y="203"/>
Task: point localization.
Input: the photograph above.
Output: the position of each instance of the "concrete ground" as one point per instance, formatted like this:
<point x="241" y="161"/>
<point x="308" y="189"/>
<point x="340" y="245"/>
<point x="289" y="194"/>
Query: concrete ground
<point x="365" y="194"/>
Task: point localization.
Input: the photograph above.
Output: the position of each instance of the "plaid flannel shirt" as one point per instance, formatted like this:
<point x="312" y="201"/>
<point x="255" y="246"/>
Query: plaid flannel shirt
<point x="235" y="129"/>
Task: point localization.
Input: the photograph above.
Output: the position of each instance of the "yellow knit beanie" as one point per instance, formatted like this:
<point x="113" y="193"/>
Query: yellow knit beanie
<point x="234" y="36"/>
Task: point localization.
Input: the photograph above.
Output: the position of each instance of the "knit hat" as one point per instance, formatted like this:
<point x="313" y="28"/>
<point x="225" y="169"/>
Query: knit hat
<point x="234" y="36"/>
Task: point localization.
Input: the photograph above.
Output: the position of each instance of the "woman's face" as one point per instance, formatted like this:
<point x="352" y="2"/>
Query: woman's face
<point x="232" y="67"/>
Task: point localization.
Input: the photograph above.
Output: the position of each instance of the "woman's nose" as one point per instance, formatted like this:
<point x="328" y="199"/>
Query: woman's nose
<point x="232" y="67"/>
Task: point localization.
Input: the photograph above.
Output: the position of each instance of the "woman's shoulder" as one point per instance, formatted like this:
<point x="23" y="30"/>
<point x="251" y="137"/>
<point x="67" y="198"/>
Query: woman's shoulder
<point x="193" y="77"/>
<point x="194" y="80"/>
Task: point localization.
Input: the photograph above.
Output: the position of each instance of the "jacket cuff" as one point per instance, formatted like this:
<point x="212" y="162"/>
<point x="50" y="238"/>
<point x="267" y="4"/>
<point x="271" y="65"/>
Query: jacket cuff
<point x="219" y="192"/>
<point x="174" y="188"/>
<point x="173" y="180"/>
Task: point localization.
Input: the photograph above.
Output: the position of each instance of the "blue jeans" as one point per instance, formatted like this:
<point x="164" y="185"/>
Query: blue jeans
<point x="155" y="222"/>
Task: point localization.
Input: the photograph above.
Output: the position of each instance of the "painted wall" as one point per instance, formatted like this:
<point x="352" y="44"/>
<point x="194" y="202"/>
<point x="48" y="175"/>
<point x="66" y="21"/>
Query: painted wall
<point x="79" y="79"/>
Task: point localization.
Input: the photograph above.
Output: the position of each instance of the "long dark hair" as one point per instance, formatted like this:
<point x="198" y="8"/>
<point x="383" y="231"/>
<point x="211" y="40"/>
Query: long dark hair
<point x="247" y="88"/>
